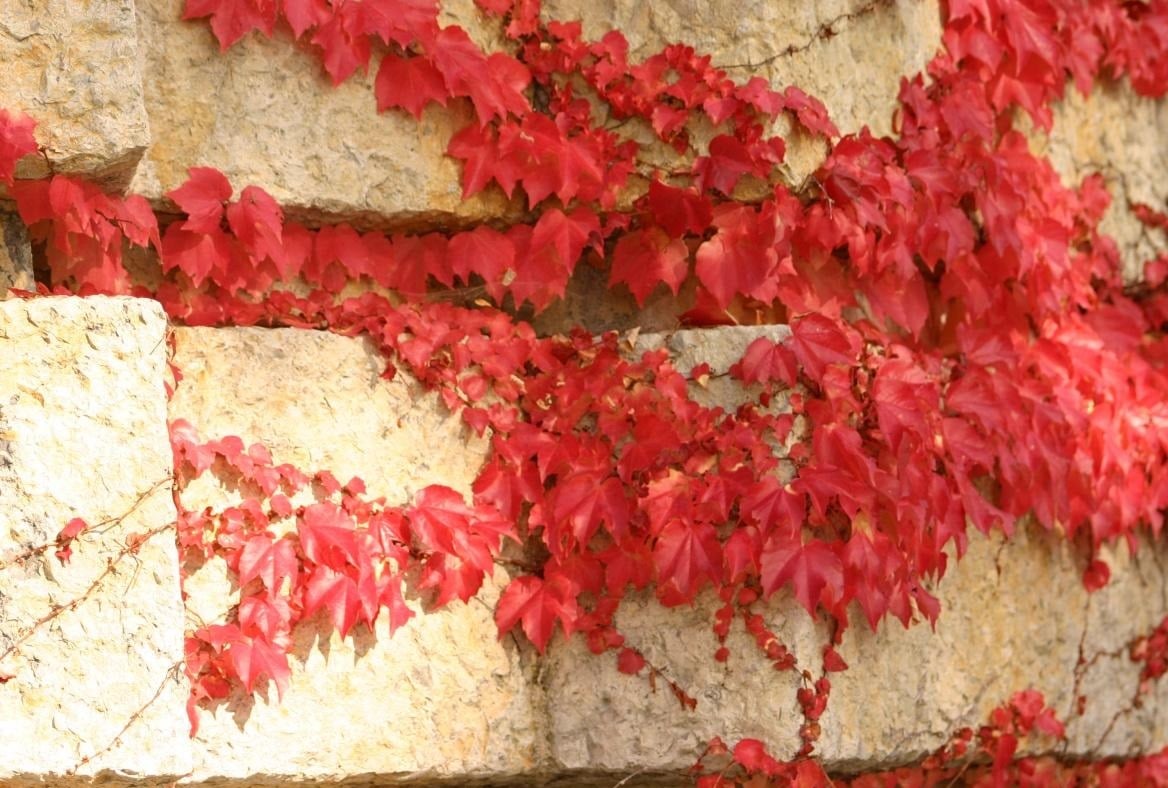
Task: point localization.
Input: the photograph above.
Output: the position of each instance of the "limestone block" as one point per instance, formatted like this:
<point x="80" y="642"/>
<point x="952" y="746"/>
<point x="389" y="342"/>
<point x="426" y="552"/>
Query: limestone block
<point x="318" y="401"/>
<point x="1013" y="617"/>
<point x="265" y="113"/>
<point x="443" y="696"/>
<point x="1120" y="135"/>
<point x="98" y="688"/>
<point x="850" y="54"/>
<point x="15" y="255"/>
<point x="74" y="68"/>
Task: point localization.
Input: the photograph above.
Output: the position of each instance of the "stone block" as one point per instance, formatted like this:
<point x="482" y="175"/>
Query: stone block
<point x="265" y="113"/>
<point x="97" y="688"/>
<point x="1120" y="135"/>
<point x="443" y="696"/>
<point x="74" y="68"/>
<point x="15" y="255"/>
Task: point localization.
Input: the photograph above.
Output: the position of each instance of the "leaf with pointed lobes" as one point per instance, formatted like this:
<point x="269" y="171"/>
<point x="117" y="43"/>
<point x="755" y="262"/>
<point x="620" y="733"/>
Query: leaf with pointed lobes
<point x="269" y="560"/>
<point x="766" y="360"/>
<point x="808" y="568"/>
<point x="343" y="43"/>
<point x="904" y="395"/>
<point x="728" y="160"/>
<point x="258" y="222"/>
<point x="495" y="84"/>
<point x="16" y="142"/>
<point x="818" y="341"/>
<point x="303" y="15"/>
<point x="537" y="605"/>
<point x="231" y="20"/>
<point x="679" y="211"/>
<point x="686" y="556"/>
<point x="408" y="83"/>
<point x="201" y="198"/>
<point x="483" y="252"/>
<point x="742" y="257"/>
<point x="328" y="536"/>
<point x="646" y="258"/>
<point x="402" y="22"/>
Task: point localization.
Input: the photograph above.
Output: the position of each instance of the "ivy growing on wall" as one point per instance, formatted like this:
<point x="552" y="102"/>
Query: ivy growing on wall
<point x="963" y="350"/>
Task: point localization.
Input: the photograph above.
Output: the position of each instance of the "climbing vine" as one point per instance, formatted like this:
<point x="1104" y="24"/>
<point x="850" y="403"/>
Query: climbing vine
<point x="963" y="349"/>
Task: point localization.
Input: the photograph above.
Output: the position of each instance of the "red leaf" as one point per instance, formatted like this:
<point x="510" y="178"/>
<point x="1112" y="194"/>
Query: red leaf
<point x="819" y="341"/>
<point x="727" y="162"/>
<point x="538" y="606"/>
<point x="808" y="568"/>
<point x="231" y="20"/>
<point x="16" y="142"/>
<point x="741" y="258"/>
<point x="258" y="222"/>
<point x="403" y="22"/>
<point x="335" y="591"/>
<point x="484" y="252"/>
<point x="409" y="83"/>
<point x="202" y="198"/>
<point x="686" y="556"/>
<point x="343" y="42"/>
<point x="270" y="561"/>
<point x="679" y="211"/>
<point x="766" y="360"/>
<point x="495" y="85"/>
<point x="646" y="258"/>
<point x="1097" y="575"/>
<point x="327" y="536"/>
<point x="630" y="661"/>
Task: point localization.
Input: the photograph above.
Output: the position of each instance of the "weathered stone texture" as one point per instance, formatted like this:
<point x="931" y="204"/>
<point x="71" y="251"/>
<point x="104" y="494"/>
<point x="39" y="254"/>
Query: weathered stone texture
<point x="1012" y="617"/>
<point x="850" y="54"/>
<point x="83" y="434"/>
<point x="1122" y="136"/>
<point x="265" y="113"/>
<point x="15" y="255"/>
<point x="442" y="696"/>
<point x="74" y="68"/>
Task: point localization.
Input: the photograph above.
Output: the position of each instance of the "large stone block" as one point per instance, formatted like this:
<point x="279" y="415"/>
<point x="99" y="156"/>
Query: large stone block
<point x="265" y="113"/>
<point x="850" y="54"/>
<point x="97" y="687"/>
<point x="1120" y="135"/>
<point x="442" y="696"/>
<point x="1014" y="616"/>
<point x="74" y="68"/>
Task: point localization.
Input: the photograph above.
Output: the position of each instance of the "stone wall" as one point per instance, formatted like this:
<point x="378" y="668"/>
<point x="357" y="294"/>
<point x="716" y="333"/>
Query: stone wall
<point x="131" y="96"/>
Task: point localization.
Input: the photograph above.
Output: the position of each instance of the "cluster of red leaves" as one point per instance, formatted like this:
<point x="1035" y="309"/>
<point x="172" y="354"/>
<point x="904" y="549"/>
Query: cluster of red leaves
<point x="297" y="545"/>
<point x="962" y="761"/>
<point x="962" y="348"/>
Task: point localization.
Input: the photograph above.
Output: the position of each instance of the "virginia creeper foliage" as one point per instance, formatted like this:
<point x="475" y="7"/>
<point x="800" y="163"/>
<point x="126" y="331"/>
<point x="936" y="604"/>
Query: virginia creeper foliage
<point x="963" y="349"/>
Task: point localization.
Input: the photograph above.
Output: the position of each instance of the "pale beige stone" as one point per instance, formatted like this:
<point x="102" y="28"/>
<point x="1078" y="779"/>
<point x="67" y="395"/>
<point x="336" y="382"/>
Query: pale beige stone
<point x="265" y="113"/>
<point x="442" y="696"/>
<point x="99" y="688"/>
<point x="1121" y="136"/>
<point x="850" y="54"/>
<point x="15" y="255"/>
<point x="74" y="68"/>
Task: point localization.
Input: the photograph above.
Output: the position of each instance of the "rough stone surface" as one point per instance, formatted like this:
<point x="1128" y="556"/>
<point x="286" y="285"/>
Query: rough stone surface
<point x="97" y="689"/>
<point x="443" y="696"/>
<point x="74" y="68"/>
<point x="265" y="113"/>
<point x="1121" y="136"/>
<point x="15" y="255"/>
<point x="849" y="53"/>
<point x="1012" y="617"/>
